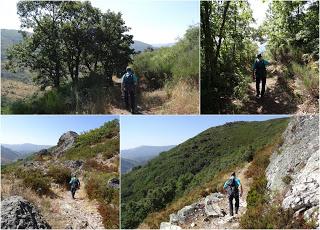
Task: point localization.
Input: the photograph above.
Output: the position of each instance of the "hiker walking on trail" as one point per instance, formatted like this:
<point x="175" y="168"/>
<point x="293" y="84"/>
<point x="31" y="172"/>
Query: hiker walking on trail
<point x="128" y="88"/>
<point x="74" y="185"/>
<point x="232" y="186"/>
<point x="259" y="74"/>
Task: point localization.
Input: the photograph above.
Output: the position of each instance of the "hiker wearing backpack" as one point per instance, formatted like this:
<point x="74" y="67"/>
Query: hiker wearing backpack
<point x="260" y="75"/>
<point x="74" y="185"/>
<point x="128" y="85"/>
<point x="231" y="186"/>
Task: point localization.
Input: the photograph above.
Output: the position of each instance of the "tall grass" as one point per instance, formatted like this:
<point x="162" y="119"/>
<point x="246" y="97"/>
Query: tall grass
<point x="309" y="77"/>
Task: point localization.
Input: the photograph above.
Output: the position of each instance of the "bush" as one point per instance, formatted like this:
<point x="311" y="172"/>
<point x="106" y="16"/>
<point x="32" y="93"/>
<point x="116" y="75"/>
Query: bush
<point x="60" y="175"/>
<point x="287" y="179"/>
<point x="92" y="164"/>
<point x="309" y="76"/>
<point x="35" y="180"/>
<point x="96" y="188"/>
<point x="110" y="215"/>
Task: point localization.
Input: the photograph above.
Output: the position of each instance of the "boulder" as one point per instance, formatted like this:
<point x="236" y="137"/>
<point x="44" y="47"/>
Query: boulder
<point x="73" y="164"/>
<point x="18" y="213"/>
<point x="43" y="152"/>
<point x="113" y="183"/>
<point x="185" y="212"/>
<point x="167" y="225"/>
<point x="66" y="141"/>
<point x="211" y="208"/>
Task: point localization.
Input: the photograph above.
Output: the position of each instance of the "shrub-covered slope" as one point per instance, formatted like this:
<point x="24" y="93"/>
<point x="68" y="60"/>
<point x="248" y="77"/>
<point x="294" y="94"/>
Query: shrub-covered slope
<point x="191" y="164"/>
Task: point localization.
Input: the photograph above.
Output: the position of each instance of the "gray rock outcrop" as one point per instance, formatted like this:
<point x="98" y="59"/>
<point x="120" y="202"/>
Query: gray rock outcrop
<point x="294" y="167"/>
<point x="66" y="141"/>
<point x="18" y="213"/>
<point x="113" y="183"/>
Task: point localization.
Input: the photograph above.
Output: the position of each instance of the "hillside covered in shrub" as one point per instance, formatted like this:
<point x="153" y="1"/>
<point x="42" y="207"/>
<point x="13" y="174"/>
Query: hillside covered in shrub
<point x="188" y="166"/>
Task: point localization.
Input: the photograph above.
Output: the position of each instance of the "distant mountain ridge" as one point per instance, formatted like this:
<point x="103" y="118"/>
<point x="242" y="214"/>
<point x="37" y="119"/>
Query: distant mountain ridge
<point x="10" y="37"/>
<point x="140" y="155"/>
<point x="8" y="155"/>
<point x="26" y="148"/>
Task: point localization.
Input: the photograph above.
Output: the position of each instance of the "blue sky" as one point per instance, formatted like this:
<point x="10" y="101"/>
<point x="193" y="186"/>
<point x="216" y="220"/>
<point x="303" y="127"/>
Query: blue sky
<point x="171" y="130"/>
<point x="46" y="129"/>
<point x="151" y="21"/>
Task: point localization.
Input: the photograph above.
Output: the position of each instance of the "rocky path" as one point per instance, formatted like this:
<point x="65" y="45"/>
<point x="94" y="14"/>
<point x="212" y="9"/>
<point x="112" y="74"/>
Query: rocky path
<point x="279" y="97"/>
<point x="210" y="212"/>
<point x="78" y="213"/>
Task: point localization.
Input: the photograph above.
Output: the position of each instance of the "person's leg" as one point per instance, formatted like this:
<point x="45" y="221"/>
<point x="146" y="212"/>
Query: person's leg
<point x="73" y="192"/>
<point x="231" y="205"/>
<point x="263" y="89"/>
<point x="126" y="99"/>
<point x="258" y="79"/>
<point x="237" y="203"/>
<point x="132" y="101"/>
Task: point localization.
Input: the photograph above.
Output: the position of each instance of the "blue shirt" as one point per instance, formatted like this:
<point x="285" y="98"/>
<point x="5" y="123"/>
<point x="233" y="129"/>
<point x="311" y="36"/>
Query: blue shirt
<point x="237" y="182"/>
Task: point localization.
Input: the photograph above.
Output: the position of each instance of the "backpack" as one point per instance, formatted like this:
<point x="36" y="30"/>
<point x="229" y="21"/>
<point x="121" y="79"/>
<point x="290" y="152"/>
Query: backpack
<point x="75" y="182"/>
<point x="260" y="68"/>
<point x="232" y="187"/>
<point x="128" y="80"/>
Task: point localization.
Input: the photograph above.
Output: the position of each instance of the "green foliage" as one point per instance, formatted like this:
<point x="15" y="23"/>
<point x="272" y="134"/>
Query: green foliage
<point x="107" y="149"/>
<point x="287" y="179"/>
<point x="106" y="131"/>
<point x="96" y="187"/>
<point x="170" y="63"/>
<point x="103" y="140"/>
<point x="60" y="175"/>
<point x="309" y="76"/>
<point x="70" y="40"/>
<point x="51" y="102"/>
<point x="227" y="51"/>
<point x="191" y="164"/>
<point x="35" y="180"/>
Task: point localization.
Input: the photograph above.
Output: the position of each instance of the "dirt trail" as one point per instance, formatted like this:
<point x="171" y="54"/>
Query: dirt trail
<point x="78" y="213"/>
<point x="279" y="97"/>
<point x="201" y="221"/>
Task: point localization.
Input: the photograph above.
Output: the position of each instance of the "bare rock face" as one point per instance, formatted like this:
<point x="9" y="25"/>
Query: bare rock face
<point x="66" y="141"/>
<point x="294" y="168"/>
<point x="18" y="213"/>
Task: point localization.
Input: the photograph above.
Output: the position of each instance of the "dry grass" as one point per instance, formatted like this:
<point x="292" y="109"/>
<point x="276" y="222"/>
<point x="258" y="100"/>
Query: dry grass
<point x="184" y="99"/>
<point x="15" y="90"/>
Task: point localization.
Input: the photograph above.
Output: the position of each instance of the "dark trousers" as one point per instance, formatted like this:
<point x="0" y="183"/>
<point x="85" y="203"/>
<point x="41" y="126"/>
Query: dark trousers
<point x="236" y="197"/>
<point x="129" y="94"/>
<point x="73" y="191"/>
<point x="263" y="79"/>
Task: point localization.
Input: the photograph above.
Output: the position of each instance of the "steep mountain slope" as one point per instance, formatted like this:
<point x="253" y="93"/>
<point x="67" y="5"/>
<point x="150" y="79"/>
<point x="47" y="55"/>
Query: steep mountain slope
<point x="43" y="179"/>
<point x="26" y="148"/>
<point x="127" y="165"/>
<point x="191" y="164"/>
<point x="8" y="155"/>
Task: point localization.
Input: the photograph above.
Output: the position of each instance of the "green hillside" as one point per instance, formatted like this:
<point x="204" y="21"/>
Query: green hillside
<point x="176" y="172"/>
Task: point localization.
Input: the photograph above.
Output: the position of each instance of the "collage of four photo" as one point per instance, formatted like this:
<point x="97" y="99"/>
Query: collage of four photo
<point x="139" y="114"/>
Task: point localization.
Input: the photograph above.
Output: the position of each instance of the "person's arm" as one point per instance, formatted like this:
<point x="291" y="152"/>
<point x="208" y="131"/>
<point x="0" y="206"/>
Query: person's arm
<point x="253" y="70"/>
<point x="266" y="62"/>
